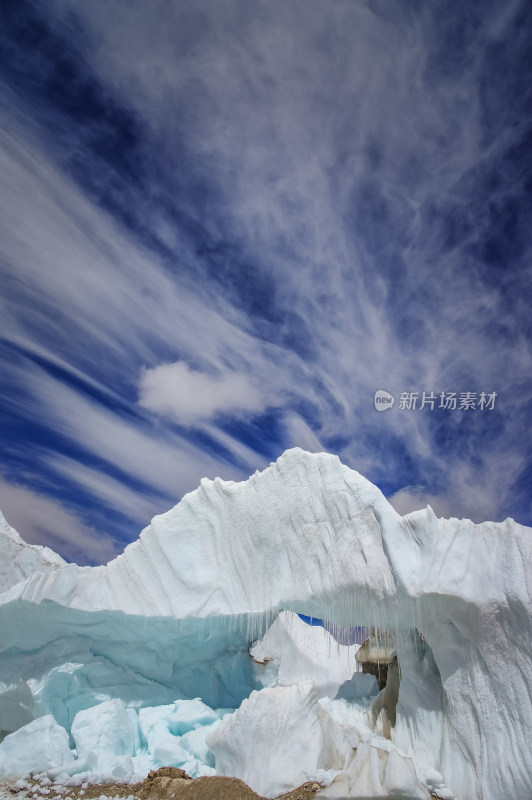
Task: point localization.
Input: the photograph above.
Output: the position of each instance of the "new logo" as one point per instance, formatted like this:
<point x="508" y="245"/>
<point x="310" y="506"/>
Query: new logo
<point x="383" y="400"/>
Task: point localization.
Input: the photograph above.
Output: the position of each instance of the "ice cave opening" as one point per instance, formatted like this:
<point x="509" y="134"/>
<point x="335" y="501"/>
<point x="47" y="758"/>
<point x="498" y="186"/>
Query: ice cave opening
<point x="194" y="693"/>
<point x="375" y="654"/>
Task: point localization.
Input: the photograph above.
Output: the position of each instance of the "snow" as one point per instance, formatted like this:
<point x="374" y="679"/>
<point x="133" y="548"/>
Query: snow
<point x="285" y="536"/>
<point x="19" y="560"/>
<point x="300" y="652"/>
<point x="376" y="772"/>
<point x="35" y="747"/>
<point x="173" y="617"/>
<point x="279" y="738"/>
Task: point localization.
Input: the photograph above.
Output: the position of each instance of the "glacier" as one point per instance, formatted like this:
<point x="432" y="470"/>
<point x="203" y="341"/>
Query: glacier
<point x="187" y="648"/>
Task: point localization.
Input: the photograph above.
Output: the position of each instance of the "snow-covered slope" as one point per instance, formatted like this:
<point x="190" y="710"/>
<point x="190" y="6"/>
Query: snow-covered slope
<point x="174" y="615"/>
<point x="18" y="559"/>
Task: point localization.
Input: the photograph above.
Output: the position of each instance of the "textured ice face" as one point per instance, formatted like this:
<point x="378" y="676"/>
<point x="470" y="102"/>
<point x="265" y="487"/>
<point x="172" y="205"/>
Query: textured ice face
<point x="304" y="532"/>
<point x="279" y="738"/>
<point x="173" y="616"/>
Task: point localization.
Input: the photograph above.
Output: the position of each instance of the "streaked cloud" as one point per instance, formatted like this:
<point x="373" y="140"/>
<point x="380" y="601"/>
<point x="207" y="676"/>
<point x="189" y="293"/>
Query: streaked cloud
<point x="222" y="245"/>
<point x="45" y="521"/>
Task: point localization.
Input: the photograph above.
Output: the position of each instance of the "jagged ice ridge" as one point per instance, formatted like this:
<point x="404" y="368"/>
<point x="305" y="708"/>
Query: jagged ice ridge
<point x="101" y="668"/>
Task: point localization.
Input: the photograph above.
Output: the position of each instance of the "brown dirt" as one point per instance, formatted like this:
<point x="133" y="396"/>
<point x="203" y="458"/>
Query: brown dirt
<point x="170" y="783"/>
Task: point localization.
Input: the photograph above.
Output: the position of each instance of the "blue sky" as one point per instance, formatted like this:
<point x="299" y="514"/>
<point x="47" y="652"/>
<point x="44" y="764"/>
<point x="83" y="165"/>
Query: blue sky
<point x="224" y="225"/>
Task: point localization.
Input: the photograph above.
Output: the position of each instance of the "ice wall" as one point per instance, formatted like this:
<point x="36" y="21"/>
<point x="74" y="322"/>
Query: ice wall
<point x="178" y="609"/>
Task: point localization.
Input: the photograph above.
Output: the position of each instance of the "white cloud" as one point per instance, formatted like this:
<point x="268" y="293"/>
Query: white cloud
<point x="413" y="498"/>
<point x="477" y="495"/>
<point x="298" y="434"/>
<point x="188" y="396"/>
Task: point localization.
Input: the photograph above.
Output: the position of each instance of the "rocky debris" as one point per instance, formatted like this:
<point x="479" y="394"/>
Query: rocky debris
<point x="378" y="657"/>
<point x="166" y="783"/>
<point x="378" y="670"/>
<point x="385" y="704"/>
<point x="375" y="654"/>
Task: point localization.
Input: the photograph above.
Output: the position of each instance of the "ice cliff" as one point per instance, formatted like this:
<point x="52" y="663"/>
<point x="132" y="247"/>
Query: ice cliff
<point x="123" y="648"/>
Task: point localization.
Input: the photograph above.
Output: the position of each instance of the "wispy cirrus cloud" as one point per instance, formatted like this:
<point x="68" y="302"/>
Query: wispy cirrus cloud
<point x="44" y="520"/>
<point x="223" y="246"/>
